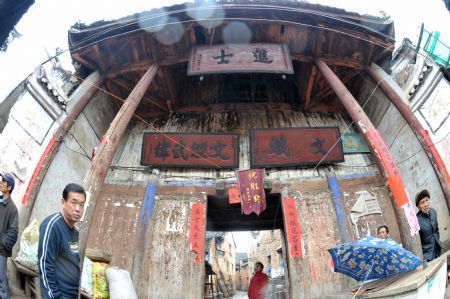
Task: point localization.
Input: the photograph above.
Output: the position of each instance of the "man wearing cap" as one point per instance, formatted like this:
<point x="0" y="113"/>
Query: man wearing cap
<point x="429" y="229"/>
<point x="9" y="228"/>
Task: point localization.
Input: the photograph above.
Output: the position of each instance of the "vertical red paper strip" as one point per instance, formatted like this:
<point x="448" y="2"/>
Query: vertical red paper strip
<point x="294" y="232"/>
<point x="197" y="230"/>
<point x="251" y="186"/>
<point x="440" y="164"/>
<point x="395" y="181"/>
<point x="33" y="179"/>
<point x="234" y="194"/>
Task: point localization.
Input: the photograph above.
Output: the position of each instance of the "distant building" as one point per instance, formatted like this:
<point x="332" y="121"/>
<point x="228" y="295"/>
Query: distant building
<point x="222" y="257"/>
<point x="242" y="272"/>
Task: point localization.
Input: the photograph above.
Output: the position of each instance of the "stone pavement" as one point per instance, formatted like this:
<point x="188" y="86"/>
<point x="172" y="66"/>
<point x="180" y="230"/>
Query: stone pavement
<point x="240" y="295"/>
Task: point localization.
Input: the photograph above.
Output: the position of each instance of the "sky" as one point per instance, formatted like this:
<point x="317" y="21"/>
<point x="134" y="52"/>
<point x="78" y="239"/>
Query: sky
<point x="243" y="241"/>
<point x="44" y="28"/>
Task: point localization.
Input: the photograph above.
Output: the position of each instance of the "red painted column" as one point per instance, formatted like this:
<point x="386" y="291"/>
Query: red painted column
<point x="381" y="154"/>
<point x="378" y="75"/>
<point x="99" y="166"/>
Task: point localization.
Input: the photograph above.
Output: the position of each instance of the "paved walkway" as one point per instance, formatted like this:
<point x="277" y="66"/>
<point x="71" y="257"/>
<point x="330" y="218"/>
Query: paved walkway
<point x="240" y="295"/>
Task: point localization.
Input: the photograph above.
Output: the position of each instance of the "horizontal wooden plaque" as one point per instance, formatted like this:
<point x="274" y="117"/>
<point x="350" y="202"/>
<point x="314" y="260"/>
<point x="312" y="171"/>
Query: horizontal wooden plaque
<point x="294" y="147"/>
<point x="190" y="150"/>
<point x="240" y="58"/>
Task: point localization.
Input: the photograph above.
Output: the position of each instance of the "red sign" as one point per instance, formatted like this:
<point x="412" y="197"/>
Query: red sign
<point x="233" y="194"/>
<point x="395" y="181"/>
<point x="190" y="150"/>
<point x="197" y="230"/>
<point x="240" y="58"/>
<point x="294" y="147"/>
<point x="294" y="232"/>
<point x="251" y="186"/>
<point x="440" y="164"/>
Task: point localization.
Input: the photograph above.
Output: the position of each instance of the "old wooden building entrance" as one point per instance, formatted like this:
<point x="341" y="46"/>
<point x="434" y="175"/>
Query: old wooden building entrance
<point x="177" y="102"/>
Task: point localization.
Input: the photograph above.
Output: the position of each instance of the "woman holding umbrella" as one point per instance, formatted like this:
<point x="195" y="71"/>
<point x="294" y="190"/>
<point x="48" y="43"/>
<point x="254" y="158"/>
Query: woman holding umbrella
<point x="383" y="232"/>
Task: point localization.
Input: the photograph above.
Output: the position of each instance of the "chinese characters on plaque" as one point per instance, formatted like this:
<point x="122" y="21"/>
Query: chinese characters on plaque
<point x="251" y="186"/>
<point x="293" y="147"/>
<point x="240" y="58"/>
<point x="190" y="150"/>
<point x="268" y="148"/>
<point x="197" y="230"/>
<point x="292" y="224"/>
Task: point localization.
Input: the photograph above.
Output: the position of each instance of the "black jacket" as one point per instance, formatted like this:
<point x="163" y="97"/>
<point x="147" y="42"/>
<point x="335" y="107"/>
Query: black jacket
<point x="429" y="235"/>
<point x="59" y="260"/>
<point x="9" y="227"/>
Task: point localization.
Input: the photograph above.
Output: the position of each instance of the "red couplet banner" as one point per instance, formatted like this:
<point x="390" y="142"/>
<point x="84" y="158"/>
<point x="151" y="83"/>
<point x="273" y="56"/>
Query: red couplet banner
<point x="294" y="232"/>
<point x="197" y="230"/>
<point x="234" y="194"/>
<point x="435" y="153"/>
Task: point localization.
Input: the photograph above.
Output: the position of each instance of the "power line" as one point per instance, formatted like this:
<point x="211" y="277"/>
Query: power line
<point x="348" y="127"/>
<point x="153" y="127"/>
<point x="75" y="48"/>
<point x="232" y="19"/>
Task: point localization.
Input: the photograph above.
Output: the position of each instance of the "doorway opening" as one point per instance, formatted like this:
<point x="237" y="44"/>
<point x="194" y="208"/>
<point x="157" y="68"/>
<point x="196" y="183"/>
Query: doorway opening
<point x="235" y="242"/>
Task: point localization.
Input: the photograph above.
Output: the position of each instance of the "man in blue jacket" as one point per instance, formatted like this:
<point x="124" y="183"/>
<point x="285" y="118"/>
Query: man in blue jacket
<point x="8" y="228"/>
<point x="429" y="229"/>
<point x="58" y="256"/>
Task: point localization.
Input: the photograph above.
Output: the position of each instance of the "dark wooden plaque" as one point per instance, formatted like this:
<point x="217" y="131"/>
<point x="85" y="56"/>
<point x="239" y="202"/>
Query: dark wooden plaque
<point x="240" y="58"/>
<point x="294" y="147"/>
<point x="190" y="150"/>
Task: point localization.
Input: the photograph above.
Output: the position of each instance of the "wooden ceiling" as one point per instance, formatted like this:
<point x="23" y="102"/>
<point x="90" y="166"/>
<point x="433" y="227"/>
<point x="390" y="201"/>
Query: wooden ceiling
<point x="123" y="50"/>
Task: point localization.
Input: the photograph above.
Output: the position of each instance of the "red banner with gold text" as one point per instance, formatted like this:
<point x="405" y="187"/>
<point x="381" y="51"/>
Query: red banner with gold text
<point x="197" y="230"/>
<point x="253" y="198"/>
<point x="292" y="223"/>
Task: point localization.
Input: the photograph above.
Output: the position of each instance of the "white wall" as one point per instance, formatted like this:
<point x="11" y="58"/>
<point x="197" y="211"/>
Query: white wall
<point x="70" y="164"/>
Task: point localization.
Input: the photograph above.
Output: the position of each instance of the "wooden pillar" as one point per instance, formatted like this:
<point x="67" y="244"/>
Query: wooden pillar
<point x="381" y="154"/>
<point x="99" y="166"/>
<point x="339" y="207"/>
<point x="378" y="76"/>
<point x="81" y="97"/>
<point x="298" y="269"/>
<point x="143" y="232"/>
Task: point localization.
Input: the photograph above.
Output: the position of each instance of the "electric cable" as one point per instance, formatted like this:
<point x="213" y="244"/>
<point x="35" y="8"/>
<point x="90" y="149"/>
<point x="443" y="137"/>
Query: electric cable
<point x="233" y="19"/>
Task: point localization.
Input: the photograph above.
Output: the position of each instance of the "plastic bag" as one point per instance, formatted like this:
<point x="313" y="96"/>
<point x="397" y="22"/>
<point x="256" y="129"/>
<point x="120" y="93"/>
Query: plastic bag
<point x="120" y="284"/>
<point x="87" y="277"/>
<point x="29" y="242"/>
<point x="101" y="290"/>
